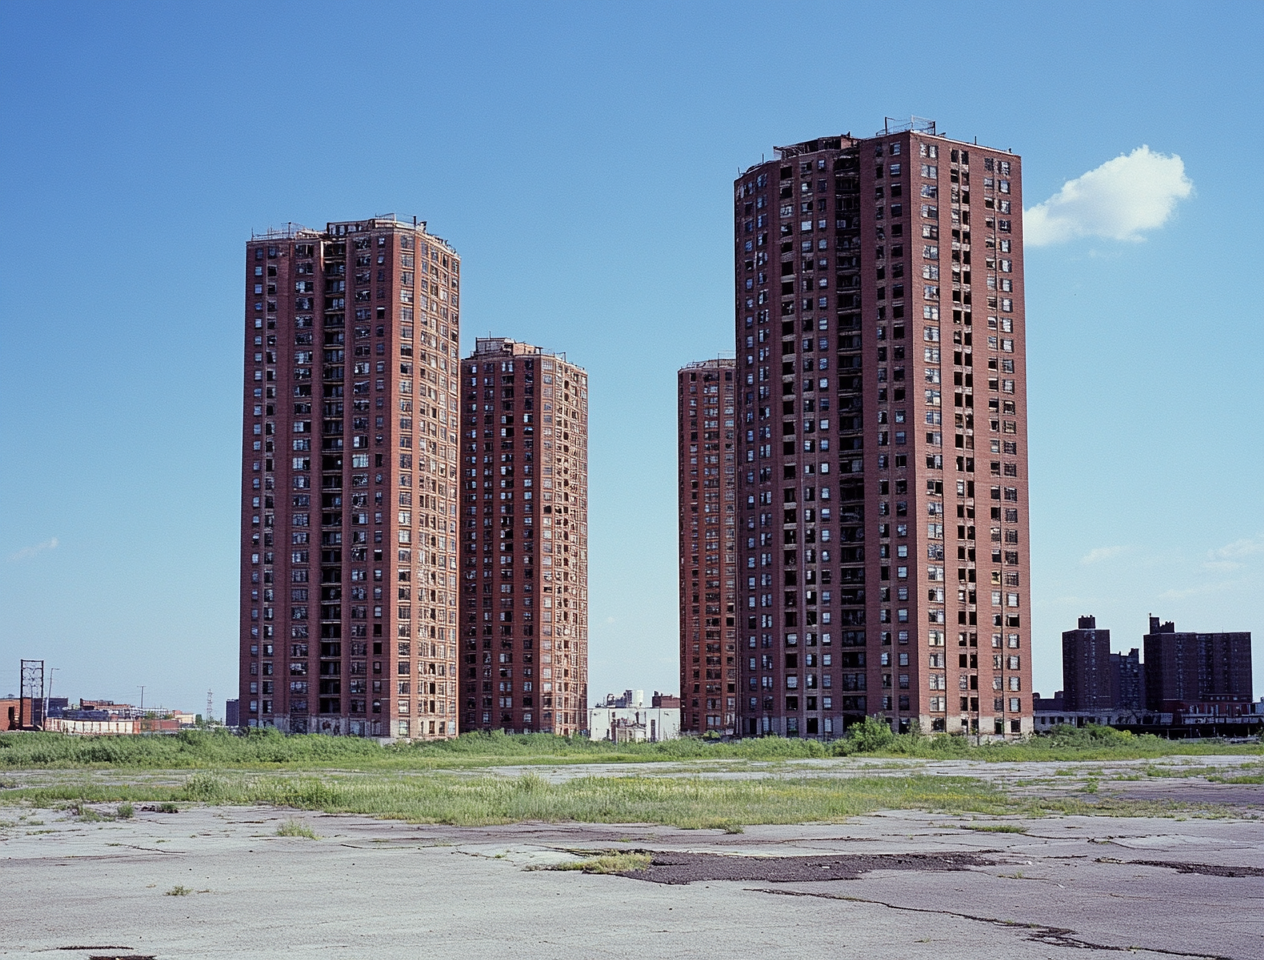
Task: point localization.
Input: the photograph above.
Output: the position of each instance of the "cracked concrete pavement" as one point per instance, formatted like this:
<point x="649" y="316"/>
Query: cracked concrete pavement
<point x="1154" y="887"/>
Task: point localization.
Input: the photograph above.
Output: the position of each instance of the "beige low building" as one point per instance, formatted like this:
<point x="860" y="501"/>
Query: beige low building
<point x="629" y="719"/>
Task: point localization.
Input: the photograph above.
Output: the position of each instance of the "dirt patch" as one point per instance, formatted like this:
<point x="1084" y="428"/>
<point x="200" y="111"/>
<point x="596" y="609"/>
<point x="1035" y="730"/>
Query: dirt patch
<point x="1202" y="869"/>
<point x="1188" y="791"/>
<point x="675" y="867"/>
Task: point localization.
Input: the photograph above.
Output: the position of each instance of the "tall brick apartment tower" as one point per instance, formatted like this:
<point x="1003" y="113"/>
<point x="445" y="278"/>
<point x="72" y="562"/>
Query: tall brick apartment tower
<point x="1090" y="679"/>
<point x="524" y="525"/>
<point x="349" y="459"/>
<point x="882" y="437"/>
<point x="708" y="631"/>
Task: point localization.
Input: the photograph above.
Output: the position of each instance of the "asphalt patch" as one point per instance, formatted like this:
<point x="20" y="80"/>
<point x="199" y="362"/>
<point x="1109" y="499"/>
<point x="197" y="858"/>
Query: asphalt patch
<point x="674" y="867"/>
<point x="1188" y="791"/>
<point x="1202" y="869"/>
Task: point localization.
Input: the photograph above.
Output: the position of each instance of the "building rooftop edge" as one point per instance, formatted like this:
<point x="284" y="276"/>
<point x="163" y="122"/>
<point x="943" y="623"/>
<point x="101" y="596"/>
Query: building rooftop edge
<point x="918" y="125"/>
<point x="505" y="346"/>
<point x="720" y="361"/>
<point x="341" y="228"/>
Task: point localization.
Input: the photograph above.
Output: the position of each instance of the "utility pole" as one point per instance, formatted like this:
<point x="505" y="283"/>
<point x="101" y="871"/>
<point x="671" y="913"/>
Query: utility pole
<point x="48" y="692"/>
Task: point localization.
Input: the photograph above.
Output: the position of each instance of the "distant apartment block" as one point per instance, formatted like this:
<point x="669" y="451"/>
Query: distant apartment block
<point x="1087" y="675"/>
<point x="708" y="574"/>
<point x="880" y="399"/>
<point x="349" y="475"/>
<point x="524" y="527"/>
<point x="1127" y="681"/>
<point x="1196" y="672"/>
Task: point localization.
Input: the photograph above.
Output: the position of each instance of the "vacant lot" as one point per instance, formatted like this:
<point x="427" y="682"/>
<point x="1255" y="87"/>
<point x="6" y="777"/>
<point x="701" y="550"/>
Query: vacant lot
<point x="262" y="881"/>
<point x="269" y="847"/>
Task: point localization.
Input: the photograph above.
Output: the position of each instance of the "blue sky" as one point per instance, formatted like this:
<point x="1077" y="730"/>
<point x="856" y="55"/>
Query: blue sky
<point x="580" y="157"/>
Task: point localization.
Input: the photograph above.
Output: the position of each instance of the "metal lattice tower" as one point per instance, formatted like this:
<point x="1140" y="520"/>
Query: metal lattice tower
<point x="31" y="703"/>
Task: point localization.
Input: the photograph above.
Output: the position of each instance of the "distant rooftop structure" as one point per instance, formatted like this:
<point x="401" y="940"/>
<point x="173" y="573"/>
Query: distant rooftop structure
<point x="916" y="124"/>
<point x="287" y="232"/>
<point x="722" y="360"/>
<point x="342" y="228"/>
<point x="812" y="146"/>
<point x="890" y="125"/>
<point x="503" y="346"/>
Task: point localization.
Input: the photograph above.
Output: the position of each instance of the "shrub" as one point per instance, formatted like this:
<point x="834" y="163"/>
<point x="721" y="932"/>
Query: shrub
<point x="868" y="736"/>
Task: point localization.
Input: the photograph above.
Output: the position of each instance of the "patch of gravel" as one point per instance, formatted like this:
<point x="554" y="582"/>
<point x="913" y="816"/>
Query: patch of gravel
<point x="676" y="867"/>
<point x="1202" y="869"/>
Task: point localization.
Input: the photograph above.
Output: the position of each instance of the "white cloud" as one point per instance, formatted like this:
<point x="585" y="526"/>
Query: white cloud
<point x="1098" y="554"/>
<point x="1231" y="556"/>
<point x="1222" y="566"/>
<point x="1239" y="548"/>
<point x="1067" y="601"/>
<point x="1119" y="200"/>
<point x="27" y="552"/>
<point x="1200" y="590"/>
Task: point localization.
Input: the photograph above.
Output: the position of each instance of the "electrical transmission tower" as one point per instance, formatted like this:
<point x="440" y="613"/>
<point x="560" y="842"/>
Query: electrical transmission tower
<point x="31" y="702"/>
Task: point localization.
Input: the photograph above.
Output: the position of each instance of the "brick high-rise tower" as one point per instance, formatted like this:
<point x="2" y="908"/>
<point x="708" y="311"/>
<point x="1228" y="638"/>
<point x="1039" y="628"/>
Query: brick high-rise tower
<point x="1195" y="670"/>
<point x="708" y="631"/>
<point x="1090" y="680"/>
<point x="524" y="524"/>
<point x="349" y="458"/>
<point x="882" y="437"/>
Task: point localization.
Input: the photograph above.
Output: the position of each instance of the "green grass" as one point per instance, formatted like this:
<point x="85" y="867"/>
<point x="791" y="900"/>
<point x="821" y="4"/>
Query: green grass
<point x="351" y="775"/>
<point x="613" y="861"/>
<point x="994" y="827"/>
<point x="268" y="749"/>
<point x="124" y="811"/>
<point x="296" y="828"/>
<point x="1179" y="771"/>
<point x="1248" y="773"/>
<point x="179" y="890"/>
<point x="687" y="802"/>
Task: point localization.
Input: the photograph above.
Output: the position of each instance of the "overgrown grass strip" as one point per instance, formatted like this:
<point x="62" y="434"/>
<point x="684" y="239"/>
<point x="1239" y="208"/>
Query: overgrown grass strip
<point x="267" y="749"/>
<point x="686" y="802"/>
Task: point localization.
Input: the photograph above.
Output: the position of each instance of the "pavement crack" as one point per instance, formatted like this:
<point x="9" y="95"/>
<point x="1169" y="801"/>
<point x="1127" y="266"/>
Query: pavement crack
<point x="1037" y="932"/>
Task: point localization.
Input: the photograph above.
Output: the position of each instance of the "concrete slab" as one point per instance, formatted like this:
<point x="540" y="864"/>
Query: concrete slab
<point x="386" y="889"/>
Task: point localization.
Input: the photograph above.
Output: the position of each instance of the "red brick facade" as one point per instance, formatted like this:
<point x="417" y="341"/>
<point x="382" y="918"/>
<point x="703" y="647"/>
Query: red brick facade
<point x="882" y="548"/>
<point x="706" y="477"/>
<point x="349" y="460"/>
<point x="524" y="529"/>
